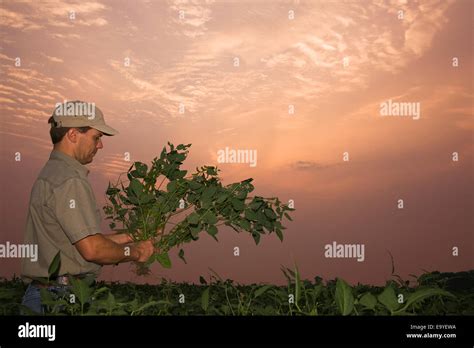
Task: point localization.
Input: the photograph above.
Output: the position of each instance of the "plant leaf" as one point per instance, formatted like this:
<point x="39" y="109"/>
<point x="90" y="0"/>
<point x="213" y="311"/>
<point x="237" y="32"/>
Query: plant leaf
<point x="81" y="290"/>
<point x="205" y="299"/>
<point x="212" y="230"/>
<point x="368" y="300"/>
<point x="181" y="255"/>
<point x="261" y="290"/>
<point x="422" y="294"/>
<point x="163" y="259"/>
<point x="193" y="218"/>
<point x="54" y="266"/>
<point x="389" y="299"/>
<point x="297" y="285"/>
<point x="238" y="204"/>
<point x="210" y="218"/>
<point x="344" y="297"/>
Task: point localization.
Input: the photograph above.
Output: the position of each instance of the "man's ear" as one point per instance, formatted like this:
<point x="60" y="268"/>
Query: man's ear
<point x="71" y="135"/>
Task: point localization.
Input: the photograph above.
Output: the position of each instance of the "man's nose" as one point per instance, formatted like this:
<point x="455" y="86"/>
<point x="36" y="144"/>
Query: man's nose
<point x="100" y="145"/>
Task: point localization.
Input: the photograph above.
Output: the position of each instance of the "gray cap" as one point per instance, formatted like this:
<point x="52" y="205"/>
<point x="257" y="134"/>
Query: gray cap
<point x="80" y="114"/>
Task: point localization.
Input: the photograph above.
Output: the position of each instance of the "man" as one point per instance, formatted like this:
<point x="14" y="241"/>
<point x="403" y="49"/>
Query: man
<point x="63" y="214"/>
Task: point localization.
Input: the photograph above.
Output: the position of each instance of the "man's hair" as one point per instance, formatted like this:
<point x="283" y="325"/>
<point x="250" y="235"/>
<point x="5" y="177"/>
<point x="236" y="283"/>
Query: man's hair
<point x="57" y="134"/>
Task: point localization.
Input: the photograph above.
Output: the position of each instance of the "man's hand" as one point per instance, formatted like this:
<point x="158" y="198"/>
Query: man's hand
<point x="144" y="249"/>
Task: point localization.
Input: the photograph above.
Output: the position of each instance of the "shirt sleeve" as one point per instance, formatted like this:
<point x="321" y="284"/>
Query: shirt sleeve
<point x="76" y="209"/>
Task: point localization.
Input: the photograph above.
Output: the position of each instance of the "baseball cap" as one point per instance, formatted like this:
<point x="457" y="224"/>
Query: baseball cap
<point x="80" y="114"/>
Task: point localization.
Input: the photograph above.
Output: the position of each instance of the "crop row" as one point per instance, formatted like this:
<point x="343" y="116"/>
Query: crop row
<point x="433" y="294"/>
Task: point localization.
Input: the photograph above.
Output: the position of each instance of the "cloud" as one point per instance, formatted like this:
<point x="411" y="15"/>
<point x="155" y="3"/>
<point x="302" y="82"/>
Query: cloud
<point x="225" y="130"/>
<point x="427" y="22"/>
<point x="189" y="18"/>
<point x="38" y="142"/>
<point x="15" y="20"/>
<point x="307" y="165"/>
<point x="188" y="61"/>
<point x="52" y="59"/>
<point x="436" y="102"/>
<point x="49" y="14"/>
<point x="110" y="166"/>
<point x="33" y="92"/>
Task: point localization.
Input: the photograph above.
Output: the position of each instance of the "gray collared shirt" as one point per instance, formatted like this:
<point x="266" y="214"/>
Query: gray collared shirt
<point x="62" y="211"/>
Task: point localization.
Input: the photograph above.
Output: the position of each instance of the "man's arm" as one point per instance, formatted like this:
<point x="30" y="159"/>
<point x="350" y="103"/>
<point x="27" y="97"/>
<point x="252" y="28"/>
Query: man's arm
<point x="119" y="238"/>
<point x="103" y="251"/>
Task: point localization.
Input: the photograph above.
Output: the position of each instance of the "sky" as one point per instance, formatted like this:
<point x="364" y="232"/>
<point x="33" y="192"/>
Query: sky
<point x="300" y="82"/>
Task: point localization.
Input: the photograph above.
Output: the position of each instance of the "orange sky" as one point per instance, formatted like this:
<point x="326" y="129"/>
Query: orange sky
<point x="334" y="62"/>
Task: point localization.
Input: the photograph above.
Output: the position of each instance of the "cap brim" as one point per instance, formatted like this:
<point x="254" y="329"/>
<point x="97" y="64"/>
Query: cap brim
<point x="107" y="130"/>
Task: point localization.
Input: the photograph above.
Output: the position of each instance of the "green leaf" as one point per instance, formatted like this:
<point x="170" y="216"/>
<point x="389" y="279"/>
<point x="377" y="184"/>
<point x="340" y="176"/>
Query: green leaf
<point x="256" y="204"/>
<point x="261" y="290"/>
<point x="193" y="218"/>
<point x="140" y="170"/>
<point x="181" y="255"/>
<point x="180" y="174"/>
<point x="150" y="304"/>
<point x="238" y="204"/>
<point x="7" y="294"/>
<point x="132" y="200"/>
<point x="344" y="297"/>
<point x="256" y="237"/>
<point x="421" y="295"/>
<point x="136" y="187"/>
<point x="241" y="195"/>
<point x="46" y="298"/>
<point x="261" y="218"/>
<point x="99" y="291"/>
<point x="221" y="198"/>
<point x="206" y="203"/>
<point x="298" y="284"/>
<point x="54" y="266"/>
<point x="179" y="157"/>
<point x="194" y="185"/>
<point x="212" y="230"/>
<point x="279" y="234"/>
<point x="208" y="193"/>
<point x="270" y="214"/>
<point x="368" y="300"/>
<point x="210" y="218"/>
<point x="195" y="231"/>
<point x="81" y="290"/>
<point x="147" y="198"/>
<point x="172" y="186"/>
<point x="163" y="259"/>
<point x="112" y="191"/>
<point x="389" y="299"/>
<point x="110" y="302"/>
<point x="250" y="214"/>
<point x="205" y="299"/>
<point x="245" y="224"/>
<point x="211" y="170"/>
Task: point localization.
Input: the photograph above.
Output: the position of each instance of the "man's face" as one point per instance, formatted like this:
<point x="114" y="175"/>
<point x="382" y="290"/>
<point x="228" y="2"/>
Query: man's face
<point x="87" y="145"/>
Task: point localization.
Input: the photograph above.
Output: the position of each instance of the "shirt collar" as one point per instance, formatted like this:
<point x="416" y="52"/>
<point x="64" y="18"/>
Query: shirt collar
<point x="70" y="161"/>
